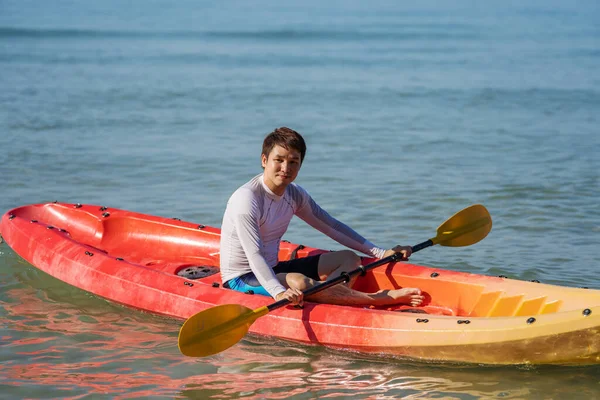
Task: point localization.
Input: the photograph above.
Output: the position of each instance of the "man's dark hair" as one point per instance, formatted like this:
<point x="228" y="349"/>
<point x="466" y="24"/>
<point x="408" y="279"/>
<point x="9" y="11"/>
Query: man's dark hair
<point x="286" y="138"/>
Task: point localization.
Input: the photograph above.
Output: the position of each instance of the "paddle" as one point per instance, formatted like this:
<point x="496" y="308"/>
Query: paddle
<point x="218" y="328"/>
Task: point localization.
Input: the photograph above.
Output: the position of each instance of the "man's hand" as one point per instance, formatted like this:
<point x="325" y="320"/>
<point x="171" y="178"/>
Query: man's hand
<point x="406" y="251"/>
<point x="295" y="296"/>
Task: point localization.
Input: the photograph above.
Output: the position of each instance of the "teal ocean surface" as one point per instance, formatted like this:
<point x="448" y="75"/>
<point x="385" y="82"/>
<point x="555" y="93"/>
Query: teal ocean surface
<point x="411" y="112"/>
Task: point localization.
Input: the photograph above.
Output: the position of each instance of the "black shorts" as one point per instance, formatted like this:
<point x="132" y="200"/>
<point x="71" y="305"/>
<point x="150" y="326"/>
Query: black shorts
<point x="308" y="266"/>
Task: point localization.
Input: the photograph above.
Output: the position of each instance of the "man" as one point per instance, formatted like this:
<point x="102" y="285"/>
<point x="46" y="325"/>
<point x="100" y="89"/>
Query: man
<point x="257" y="216"/>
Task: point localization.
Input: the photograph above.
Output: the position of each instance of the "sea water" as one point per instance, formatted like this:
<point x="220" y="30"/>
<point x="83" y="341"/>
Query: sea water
<point x="411" y="112"/>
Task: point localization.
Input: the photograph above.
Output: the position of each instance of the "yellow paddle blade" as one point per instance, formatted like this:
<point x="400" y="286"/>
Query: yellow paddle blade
<point x="464" y="228"/>
<point x="216" y="329"/>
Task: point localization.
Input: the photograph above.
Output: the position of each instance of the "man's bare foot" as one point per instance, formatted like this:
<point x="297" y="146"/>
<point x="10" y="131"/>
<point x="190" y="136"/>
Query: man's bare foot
<point x="410" y="296"/>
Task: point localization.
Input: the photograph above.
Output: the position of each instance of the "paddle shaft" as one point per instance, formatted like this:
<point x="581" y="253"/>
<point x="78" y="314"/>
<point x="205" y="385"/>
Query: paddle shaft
<point x="345" y="277"/>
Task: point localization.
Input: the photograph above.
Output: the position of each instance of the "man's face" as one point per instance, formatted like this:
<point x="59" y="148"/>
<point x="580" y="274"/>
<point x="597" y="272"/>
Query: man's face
<point x="281" y="168"/>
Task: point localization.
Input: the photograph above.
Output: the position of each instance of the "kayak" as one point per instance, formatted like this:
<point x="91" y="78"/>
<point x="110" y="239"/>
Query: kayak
<point x="170" y="267"/>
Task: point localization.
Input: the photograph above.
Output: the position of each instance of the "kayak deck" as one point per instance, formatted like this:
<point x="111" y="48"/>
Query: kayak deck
<point x="135" y="259"/>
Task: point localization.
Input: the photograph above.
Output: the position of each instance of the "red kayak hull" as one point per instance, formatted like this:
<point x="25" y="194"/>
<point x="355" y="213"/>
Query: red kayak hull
<point x="134" y="259"/>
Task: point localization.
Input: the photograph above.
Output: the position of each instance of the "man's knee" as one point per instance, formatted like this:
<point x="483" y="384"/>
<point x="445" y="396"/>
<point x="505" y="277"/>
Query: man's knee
<point x="299" y="281"/>
<point x="349" y="258"/>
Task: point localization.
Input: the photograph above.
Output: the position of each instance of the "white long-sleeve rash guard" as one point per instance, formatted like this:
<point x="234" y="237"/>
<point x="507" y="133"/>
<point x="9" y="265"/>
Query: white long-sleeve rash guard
<point x="254" y="223"/>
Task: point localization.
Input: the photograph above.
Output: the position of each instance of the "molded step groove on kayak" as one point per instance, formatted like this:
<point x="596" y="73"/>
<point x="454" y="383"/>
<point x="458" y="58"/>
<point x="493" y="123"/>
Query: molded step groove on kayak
<point x="485" y="304"/>
<point x="506" y="306"/>
<point x="551" y="307"/>
<point x="531" y="306"/>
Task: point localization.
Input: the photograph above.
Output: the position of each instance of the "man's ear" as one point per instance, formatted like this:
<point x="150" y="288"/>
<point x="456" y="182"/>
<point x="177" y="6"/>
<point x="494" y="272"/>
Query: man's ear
<point x="263" y="160"/>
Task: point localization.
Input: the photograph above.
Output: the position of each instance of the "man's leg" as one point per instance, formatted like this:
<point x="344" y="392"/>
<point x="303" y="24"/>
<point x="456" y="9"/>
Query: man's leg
<point x="343" y="295"/>
<point x="333" y="264"/>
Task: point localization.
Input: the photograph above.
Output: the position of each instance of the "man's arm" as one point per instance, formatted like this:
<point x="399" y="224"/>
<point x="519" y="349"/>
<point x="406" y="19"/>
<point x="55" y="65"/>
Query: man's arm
<point x="246" y="223"/>
<point x="315" y="216"/>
